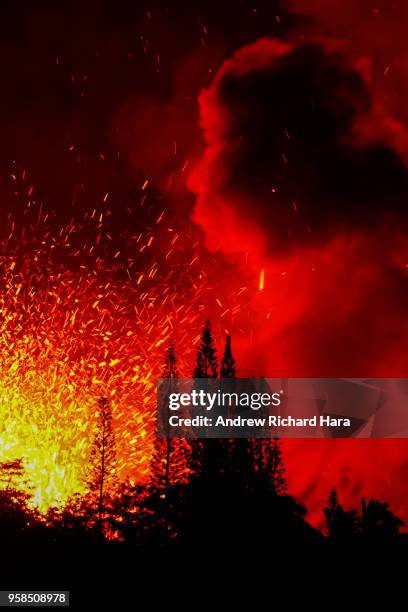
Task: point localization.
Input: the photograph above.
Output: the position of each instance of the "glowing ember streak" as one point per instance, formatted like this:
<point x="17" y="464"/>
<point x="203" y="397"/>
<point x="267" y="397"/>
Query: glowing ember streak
<point x="262" y="280"/>
<point x="72" y="333"/>
<point x="65" y="340"/>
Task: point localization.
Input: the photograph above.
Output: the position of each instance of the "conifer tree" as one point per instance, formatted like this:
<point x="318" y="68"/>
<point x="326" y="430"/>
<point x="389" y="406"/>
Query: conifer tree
<point x="333" y="502"/>
<point x="207" y="362"/>
<point x="170" y="369"/>
<point x="165" y="459"/>
<point x="201" y="451"/>
<point x="275" y="468"/>
<point x="332" y="510"/>
<point x="341" y="525"/>
<point x="269" y="467"/>
<point x="237" y="451"/>
<point x="228" y="369"/>
<point x="102" y="472"/>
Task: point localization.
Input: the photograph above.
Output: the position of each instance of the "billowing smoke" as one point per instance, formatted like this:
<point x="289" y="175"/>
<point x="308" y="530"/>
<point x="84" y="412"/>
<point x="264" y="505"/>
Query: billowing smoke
<point x="304" y="176"/>
<point x="284" y="152"/>
<point x="290" y="182"/>
<point x="375" y="36"/>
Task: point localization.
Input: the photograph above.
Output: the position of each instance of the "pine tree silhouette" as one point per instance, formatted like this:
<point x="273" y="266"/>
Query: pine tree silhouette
<point x="275" y="468"/>
<point x="332" y="510"/>
<point x="237" y="451"/>
<point x="167" y="456"/>
<point x="333" y="503"/>
<point x="228" y="369"/>
<point x="269" y="467"/>
<point x="102" y="470"/>
<point x="206" y="367"/>
<point x="170" y="369"/>
<point x="341" y="525"/>
<point x="207" y="362"/>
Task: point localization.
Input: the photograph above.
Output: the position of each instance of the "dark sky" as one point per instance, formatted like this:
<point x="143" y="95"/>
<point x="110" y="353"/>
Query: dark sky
<point x="82" y="80"/>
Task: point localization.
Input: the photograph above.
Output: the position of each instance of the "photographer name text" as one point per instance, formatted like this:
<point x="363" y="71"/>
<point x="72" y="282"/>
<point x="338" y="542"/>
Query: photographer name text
<point x="270" y="421"/>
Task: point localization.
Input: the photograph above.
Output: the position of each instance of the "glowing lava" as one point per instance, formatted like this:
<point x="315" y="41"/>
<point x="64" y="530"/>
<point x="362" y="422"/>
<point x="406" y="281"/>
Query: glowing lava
<point x="69" y="334"/>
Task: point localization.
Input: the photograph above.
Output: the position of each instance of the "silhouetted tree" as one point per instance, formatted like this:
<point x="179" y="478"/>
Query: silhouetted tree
<point x="168" y="463"/>
<point x="11" y="473"/>
<point x="229" y="511"/>
<point x="17" y="519"/>
<point x="207" y="362"/>
<point x="74" y="521"/>
<point x="169" y="467"/>
<point x="209" y="456"/>
<point x="341" y="525"/>
<point x="378" y="521"/>
<point x="332" y="511"/>
<point x="228" y="369"/>
<point x="164" y="448"/>
<point x="269" y="467"/>
<point x="127" y="511"/>
<point x="274" y="467"/>
<point x="170" y="369"/>
<point x="206" y="367"/>
<point x="238" y="459"/>
<point x="333" y="503"/>
<point x="102" y="458"/>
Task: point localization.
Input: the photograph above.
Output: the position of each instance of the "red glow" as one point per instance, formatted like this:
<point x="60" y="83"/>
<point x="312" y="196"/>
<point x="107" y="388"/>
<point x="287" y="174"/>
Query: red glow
<point x="334" y="309"/>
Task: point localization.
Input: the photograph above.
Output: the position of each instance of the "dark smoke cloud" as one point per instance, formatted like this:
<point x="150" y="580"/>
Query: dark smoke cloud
<point x="290" y="183"/>
<point x="302" y="176"/>
<point x="374" y="35"/>
<point x="287" y="152"/>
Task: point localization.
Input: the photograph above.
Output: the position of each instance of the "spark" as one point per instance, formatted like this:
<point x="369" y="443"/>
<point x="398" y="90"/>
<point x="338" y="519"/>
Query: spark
<point x="69" y="334"/>
<point x="261" y="280"/>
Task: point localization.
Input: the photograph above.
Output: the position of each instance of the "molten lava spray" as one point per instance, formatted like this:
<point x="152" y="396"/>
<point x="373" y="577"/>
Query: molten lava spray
<point x="75" y="326"/>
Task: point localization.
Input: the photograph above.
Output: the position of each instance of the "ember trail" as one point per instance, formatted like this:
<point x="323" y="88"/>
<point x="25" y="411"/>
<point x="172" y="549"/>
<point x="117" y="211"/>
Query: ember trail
<point x="68" y="337"/>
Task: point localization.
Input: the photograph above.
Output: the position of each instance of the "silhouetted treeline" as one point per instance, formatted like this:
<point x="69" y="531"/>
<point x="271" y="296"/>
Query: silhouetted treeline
<point x="223" y="492"/>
